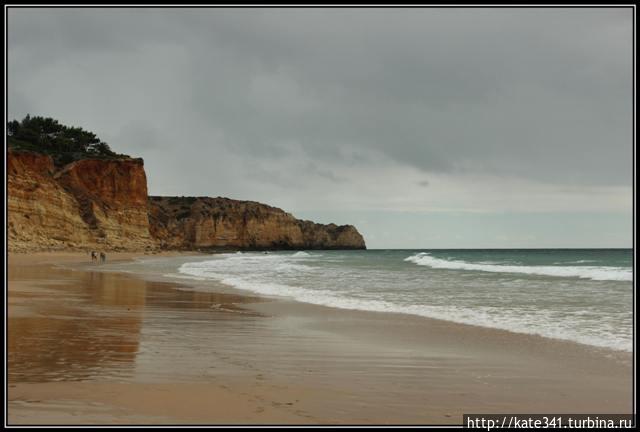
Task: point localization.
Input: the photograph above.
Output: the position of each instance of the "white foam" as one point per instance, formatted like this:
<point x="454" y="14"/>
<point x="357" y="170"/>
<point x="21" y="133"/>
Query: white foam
<point x="283" y="275"/>
<point x="539" y="323"/>
<point x="576" y="262"/>
<point x="584" y="272"/>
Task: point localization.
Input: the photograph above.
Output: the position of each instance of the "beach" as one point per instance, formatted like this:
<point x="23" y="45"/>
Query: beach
<point x="94" y="347"/>
<point x="418" y="216"/>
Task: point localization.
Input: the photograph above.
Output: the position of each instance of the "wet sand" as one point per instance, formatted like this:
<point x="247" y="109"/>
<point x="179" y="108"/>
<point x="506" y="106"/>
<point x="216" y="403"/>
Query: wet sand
<point x="92" y="347"/>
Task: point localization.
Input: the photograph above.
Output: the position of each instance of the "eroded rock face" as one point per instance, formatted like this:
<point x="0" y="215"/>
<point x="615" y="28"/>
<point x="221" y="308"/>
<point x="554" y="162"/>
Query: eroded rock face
<point x="112" y="195"/>
<point x="221" y="223"/>
<point x="103" y="204"/>
<point x="41" y="214"/>
<point x="87" y="204"/>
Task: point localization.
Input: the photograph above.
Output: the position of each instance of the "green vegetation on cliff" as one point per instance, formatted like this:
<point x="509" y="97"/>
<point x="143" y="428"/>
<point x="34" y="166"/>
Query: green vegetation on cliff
<point x="64" y="144"/>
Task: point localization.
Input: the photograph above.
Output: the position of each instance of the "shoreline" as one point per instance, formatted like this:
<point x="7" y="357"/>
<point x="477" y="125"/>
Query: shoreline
<point x="196" y="284"/>
<point x="345" y="366"/>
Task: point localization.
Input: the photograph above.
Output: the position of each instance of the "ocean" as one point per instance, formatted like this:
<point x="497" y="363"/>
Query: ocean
<point x="581" y="295"/>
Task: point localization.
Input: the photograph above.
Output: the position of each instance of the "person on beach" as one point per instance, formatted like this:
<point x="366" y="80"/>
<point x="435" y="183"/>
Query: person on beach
<point x="94" y="256"/>
<point x="103" y="257"/>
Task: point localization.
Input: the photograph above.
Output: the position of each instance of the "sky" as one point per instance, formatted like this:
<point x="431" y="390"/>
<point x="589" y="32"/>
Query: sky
<point x="423" y="127"/>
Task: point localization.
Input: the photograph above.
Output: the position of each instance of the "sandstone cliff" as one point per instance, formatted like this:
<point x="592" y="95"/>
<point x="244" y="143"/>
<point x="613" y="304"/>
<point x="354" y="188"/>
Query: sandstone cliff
<point x="103" y="204"/>
<point x="90" y="203"/>
<point x="112" y="195"/>
<point x="221" y="223"/>
<point x="41" y="214"/>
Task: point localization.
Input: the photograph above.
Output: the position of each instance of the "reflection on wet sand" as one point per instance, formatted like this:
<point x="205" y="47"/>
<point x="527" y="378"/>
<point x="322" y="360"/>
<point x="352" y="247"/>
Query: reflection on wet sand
<point x="87" y="325"/>
<point x="81" y="326"/>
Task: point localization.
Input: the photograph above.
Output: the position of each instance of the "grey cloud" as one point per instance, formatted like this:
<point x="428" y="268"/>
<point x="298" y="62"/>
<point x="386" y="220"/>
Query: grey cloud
<point x="540" y="94"/>
<point x="141" y="137"/>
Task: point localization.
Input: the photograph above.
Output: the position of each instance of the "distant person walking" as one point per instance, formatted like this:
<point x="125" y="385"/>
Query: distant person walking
<point x="103" y="257"/>
<point x="94" y="256"/>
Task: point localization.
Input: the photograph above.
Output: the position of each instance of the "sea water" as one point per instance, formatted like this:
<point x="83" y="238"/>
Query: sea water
<point x="582" y="295"/>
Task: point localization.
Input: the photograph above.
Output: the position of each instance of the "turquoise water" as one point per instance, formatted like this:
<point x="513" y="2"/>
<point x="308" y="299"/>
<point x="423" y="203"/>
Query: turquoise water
<point x="579" y="295"/>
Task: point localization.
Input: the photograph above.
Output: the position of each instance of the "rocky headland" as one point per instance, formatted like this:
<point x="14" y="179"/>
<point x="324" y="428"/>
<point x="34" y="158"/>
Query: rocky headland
<point x="103" y="203"/>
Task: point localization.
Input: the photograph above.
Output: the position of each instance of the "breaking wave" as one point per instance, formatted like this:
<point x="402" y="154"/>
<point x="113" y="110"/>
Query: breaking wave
<point x="584" y="272"/>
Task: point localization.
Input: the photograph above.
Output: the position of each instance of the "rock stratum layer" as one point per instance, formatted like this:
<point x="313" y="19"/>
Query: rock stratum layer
<point x="103" y="204"/>
<point x="220" y="223"/>
<point x="90" y="203"/>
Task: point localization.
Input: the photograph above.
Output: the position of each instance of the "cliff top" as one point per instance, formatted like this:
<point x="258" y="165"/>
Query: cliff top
<point x="182" y="205"/>
<point x="215" y="203"/>
<point x="64" y="144"/>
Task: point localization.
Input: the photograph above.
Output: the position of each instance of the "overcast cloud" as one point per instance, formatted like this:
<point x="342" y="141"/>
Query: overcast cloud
<point x="356" y="115"/>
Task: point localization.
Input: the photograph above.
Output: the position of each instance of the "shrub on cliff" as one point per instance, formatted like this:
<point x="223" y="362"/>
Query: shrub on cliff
<point x="64" y="143"/>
